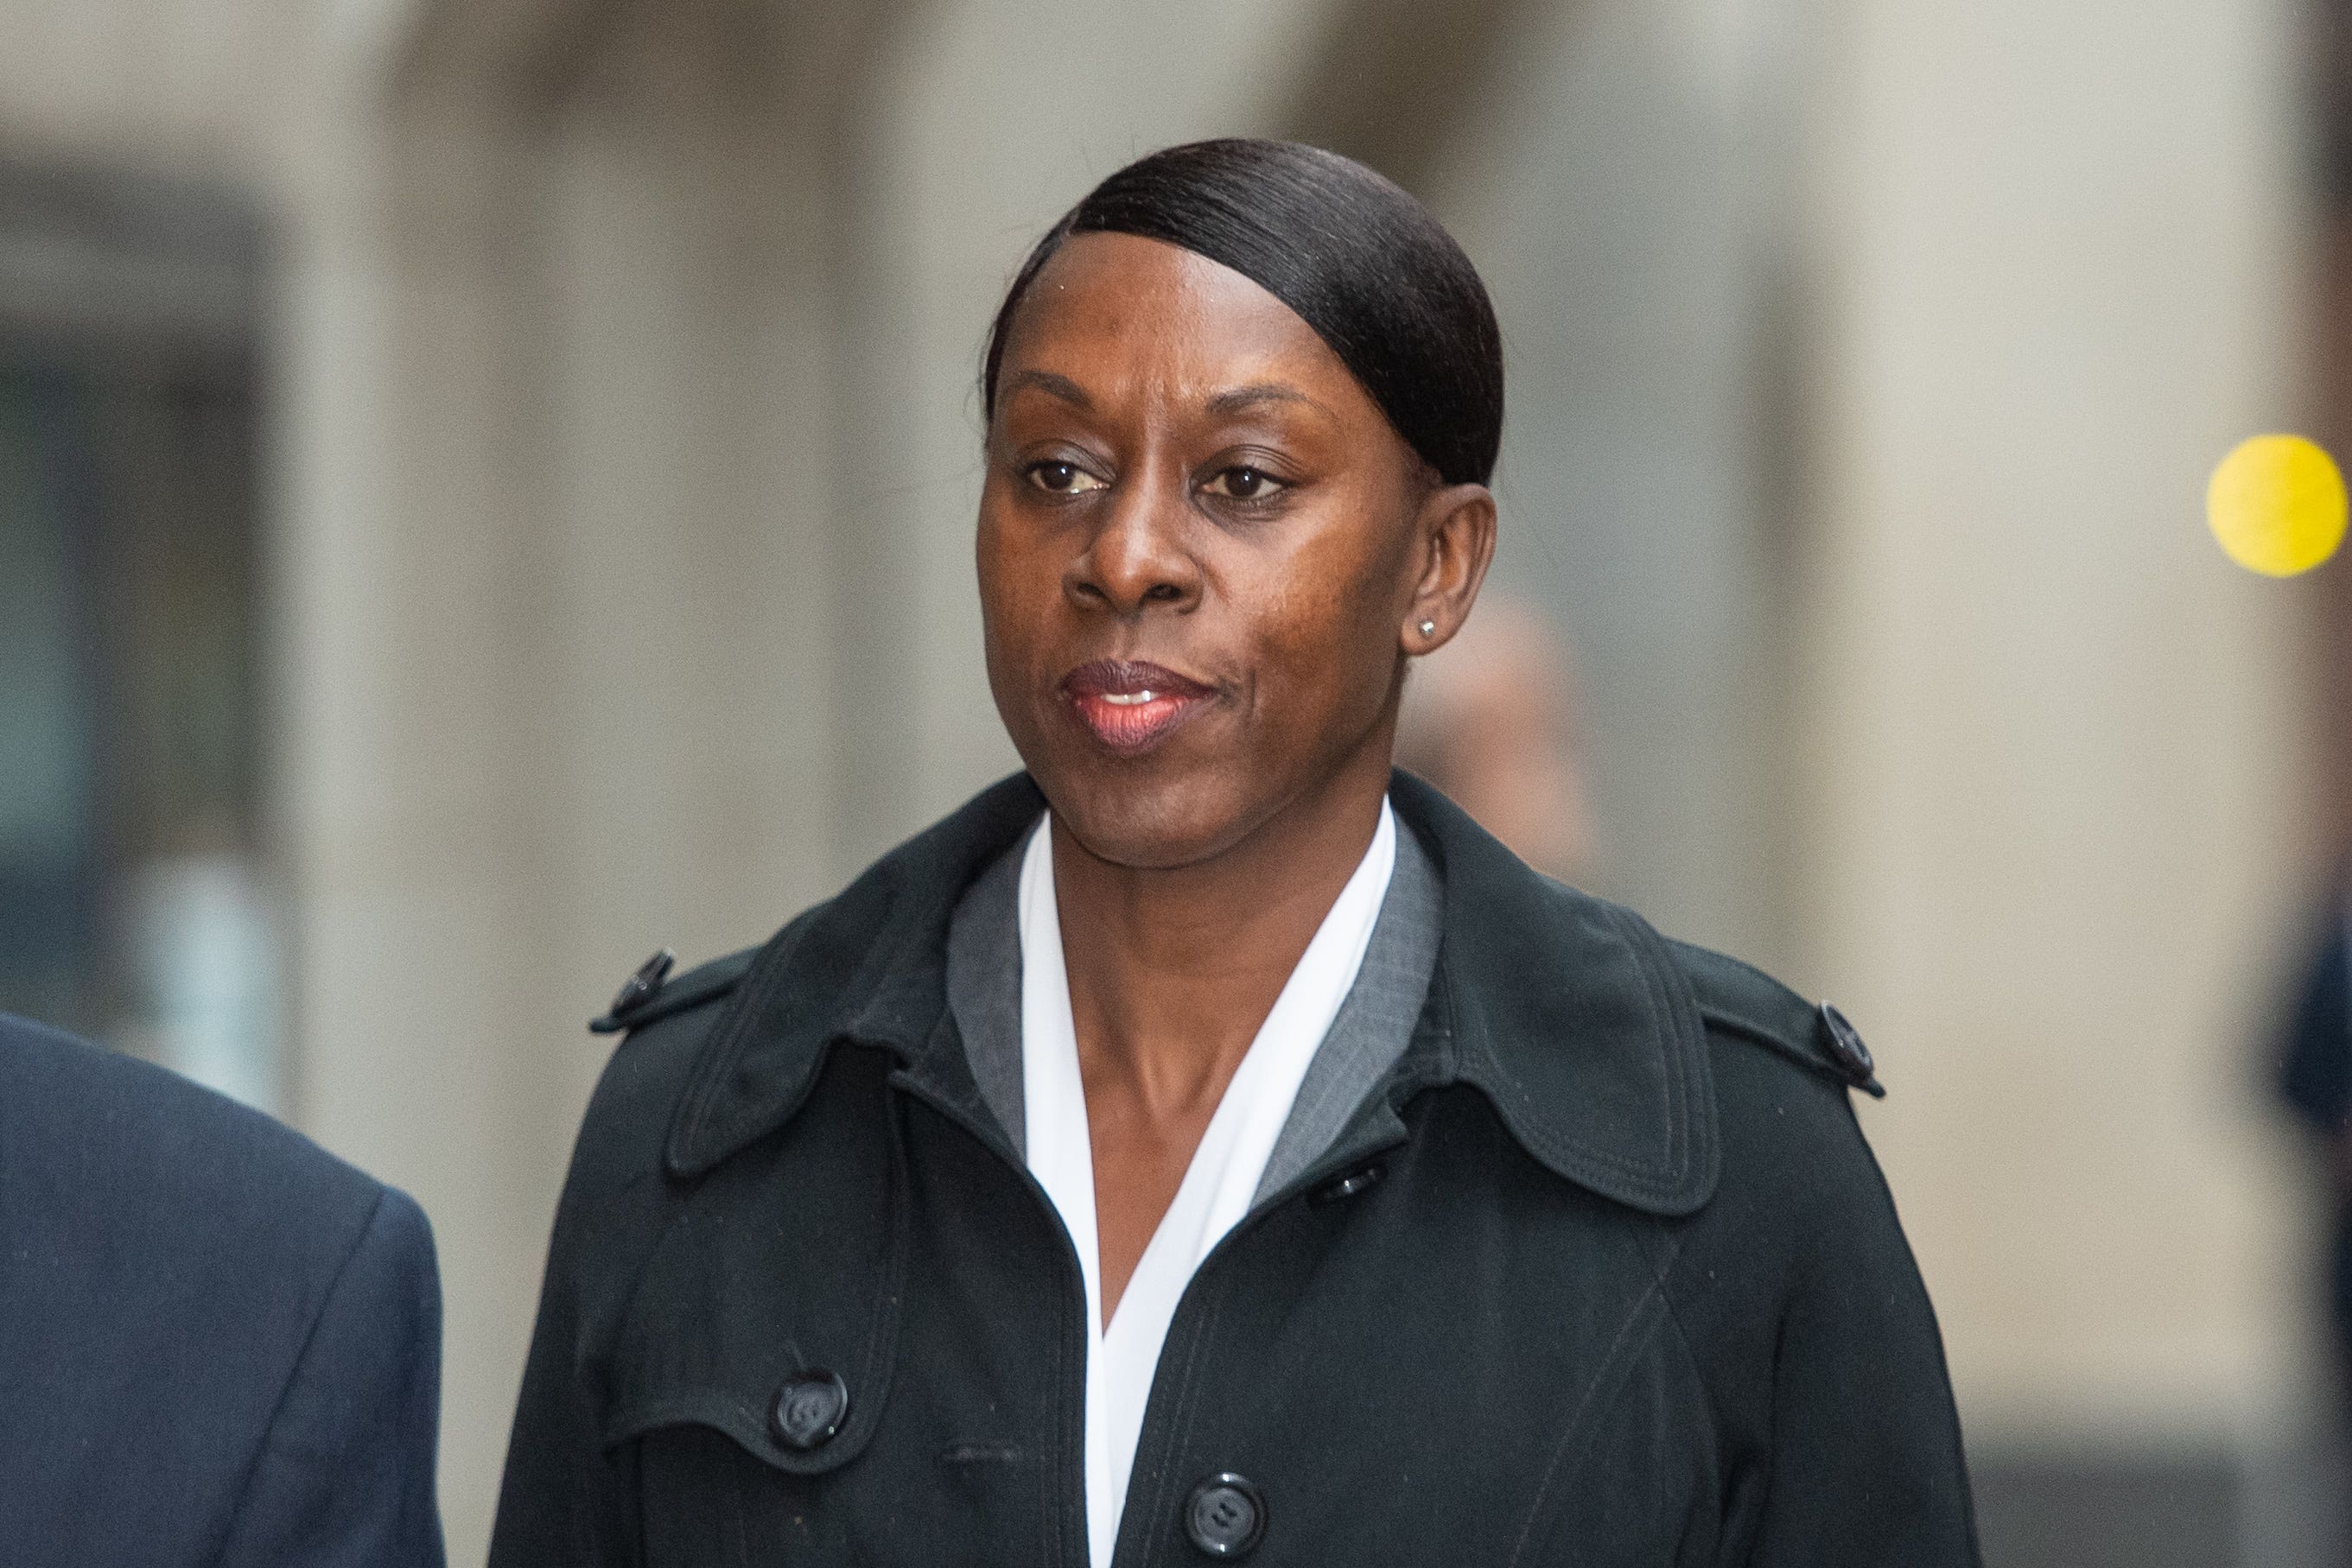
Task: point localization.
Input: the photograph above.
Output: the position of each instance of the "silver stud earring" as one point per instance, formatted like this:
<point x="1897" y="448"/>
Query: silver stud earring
<point x="1429" y="628"/>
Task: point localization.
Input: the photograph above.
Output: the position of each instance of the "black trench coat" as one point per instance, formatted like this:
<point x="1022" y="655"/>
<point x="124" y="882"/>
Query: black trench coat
<point x="1607" y="1276"/>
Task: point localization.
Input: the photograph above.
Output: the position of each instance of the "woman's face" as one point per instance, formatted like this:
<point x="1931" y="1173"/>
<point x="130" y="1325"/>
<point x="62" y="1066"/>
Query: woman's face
<point x="1203" y="553"/>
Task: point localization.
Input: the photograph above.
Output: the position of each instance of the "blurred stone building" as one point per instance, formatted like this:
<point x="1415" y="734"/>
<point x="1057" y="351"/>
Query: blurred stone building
<point x="605" y="375"/>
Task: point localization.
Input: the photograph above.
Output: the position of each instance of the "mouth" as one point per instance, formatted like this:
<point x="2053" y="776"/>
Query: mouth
<point x="1131" y="706"/>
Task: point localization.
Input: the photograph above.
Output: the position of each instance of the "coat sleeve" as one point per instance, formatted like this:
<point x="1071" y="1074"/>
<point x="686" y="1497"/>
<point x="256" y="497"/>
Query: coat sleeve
<point x="562" y="1499"/>
<point x="344" y="1475"/>
<point x="1867" y="1466"/>
<point x="565" y="1499"/>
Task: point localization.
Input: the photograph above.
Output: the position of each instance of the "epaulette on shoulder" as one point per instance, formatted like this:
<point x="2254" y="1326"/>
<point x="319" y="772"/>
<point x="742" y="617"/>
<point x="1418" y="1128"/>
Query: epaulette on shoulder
<point x="651" y="993"/>
<point x="1743" y="1000"/>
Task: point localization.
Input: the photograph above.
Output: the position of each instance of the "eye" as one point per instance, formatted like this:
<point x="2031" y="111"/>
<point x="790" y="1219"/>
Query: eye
<point x="1062" y="478"/>
<point x="1241" y="483"/>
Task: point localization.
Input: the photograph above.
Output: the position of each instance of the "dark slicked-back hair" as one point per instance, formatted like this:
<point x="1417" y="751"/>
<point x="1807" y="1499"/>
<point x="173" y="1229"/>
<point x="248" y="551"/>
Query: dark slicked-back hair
<point x="1349" y="251"/>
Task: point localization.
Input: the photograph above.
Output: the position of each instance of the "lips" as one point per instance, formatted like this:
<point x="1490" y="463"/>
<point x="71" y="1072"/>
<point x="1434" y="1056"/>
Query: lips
<point x="1129" y="704"/>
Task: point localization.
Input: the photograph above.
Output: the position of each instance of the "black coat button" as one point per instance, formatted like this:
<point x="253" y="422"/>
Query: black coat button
<point x="1346" y="1185"/>
<point x="809" y="1408"/>
<point x="1225" y="1516"/>
<point x="1852" y="1057"/>
<point x="642" y="985"/>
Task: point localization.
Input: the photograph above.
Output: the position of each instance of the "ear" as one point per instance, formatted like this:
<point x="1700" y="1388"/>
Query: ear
<point x="1455" y="542"/>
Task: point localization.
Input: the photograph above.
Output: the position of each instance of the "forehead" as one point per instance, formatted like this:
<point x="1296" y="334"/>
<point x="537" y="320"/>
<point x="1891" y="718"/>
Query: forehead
<point x="1119" y="312"/>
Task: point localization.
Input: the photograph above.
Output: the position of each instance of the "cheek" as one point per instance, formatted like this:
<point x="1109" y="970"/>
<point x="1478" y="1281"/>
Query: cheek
<point x="1008" y="626"/>
<point x="1327" y="647"/>
<point x="1014" y="581"/>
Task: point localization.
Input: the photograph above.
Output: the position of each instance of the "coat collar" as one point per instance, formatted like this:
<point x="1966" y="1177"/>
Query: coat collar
<point x="1567" y="1012"/>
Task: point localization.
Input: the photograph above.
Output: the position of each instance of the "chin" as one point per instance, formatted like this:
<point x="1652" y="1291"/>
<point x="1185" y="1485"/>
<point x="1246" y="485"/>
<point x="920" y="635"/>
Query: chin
<point x="1139" y="816"/>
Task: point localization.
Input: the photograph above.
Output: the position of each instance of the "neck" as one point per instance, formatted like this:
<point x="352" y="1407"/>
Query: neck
<point x="1172" y="971"/>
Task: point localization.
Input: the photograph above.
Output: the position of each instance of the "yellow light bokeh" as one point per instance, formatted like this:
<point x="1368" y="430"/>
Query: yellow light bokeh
<point x="2276" y="505"/>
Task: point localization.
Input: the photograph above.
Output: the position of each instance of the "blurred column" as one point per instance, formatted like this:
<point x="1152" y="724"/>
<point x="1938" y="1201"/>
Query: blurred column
<point x="2053" y="740"/>
<point x="417" y="700"/>
<point x="557" y="632"/>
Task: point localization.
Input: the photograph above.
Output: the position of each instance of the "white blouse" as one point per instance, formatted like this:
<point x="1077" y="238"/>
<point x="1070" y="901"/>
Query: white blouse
<point x="1219" y="1184"/>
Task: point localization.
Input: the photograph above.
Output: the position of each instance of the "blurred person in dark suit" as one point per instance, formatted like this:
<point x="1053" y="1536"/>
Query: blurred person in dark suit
<point x="2315" y="1077"/>
<point x="1493" y="720"/>
<point x="218" y="1343"/>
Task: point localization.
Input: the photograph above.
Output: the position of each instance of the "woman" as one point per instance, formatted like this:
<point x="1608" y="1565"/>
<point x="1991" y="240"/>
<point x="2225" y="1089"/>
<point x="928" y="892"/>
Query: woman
<point x="1210" y="1142"/>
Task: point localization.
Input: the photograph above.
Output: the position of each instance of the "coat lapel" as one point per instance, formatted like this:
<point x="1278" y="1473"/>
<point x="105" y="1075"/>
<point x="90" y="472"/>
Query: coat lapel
<point x="1569" y="1014"/>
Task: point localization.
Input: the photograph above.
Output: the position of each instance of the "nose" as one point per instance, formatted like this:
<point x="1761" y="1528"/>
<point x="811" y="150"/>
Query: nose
<point x="1138" y="556"/>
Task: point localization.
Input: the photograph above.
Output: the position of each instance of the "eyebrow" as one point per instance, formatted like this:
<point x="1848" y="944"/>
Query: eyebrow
<point x="1231" y="400"/>
<point x="1052" y="385"/>
<point x="1239" y="398"/>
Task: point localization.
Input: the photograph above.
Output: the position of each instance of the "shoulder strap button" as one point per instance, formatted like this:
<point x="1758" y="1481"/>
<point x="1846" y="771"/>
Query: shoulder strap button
<point x="1845" y="1048"/>
<point x="636" y="991"/>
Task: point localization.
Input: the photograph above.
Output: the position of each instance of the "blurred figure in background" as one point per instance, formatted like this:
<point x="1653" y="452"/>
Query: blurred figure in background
<point x="1494" y="720"/>
<point x="2316" y="1079"/>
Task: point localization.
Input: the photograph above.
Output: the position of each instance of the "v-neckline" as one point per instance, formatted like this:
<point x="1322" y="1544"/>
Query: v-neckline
<point x="1222" y="1176"/>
